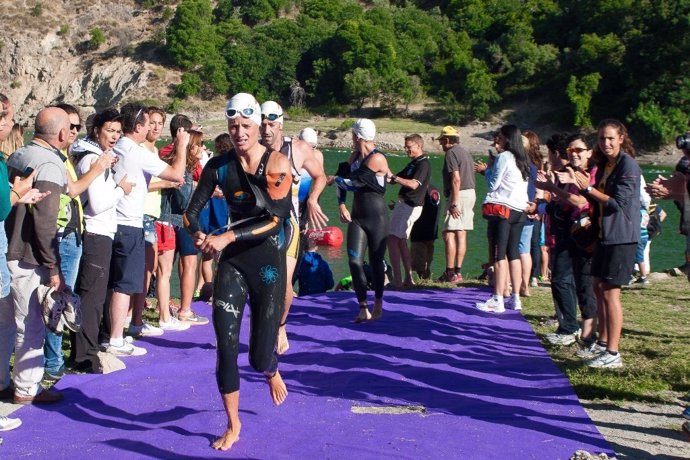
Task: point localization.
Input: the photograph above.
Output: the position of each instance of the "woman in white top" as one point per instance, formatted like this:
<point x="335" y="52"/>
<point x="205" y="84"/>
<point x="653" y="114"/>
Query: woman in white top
<point x="100" y="220"/>
<point x="504" y="208"/>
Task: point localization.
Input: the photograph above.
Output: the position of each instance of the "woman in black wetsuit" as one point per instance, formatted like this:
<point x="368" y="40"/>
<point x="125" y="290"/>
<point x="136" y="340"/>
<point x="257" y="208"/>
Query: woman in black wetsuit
<point x="365" y="175"/>
<point x="256" y="184"/>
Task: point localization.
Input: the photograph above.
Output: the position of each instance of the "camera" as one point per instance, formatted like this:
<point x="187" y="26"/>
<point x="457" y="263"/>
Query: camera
<point x="683" y="141"/>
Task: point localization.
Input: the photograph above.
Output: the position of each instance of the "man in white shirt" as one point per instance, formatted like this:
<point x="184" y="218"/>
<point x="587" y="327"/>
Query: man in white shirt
<point x="127" y="266"/>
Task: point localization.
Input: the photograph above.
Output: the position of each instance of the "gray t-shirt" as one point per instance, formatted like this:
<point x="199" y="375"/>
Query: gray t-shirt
<point x="458" y="159"/>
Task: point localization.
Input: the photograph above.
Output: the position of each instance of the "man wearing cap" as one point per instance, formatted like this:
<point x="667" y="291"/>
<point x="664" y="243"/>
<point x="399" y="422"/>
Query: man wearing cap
<point x="301" y="156"/>
<point x="458" y="188"/>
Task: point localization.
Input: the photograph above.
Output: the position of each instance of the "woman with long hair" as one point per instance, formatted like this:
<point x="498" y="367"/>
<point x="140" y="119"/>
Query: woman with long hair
<point x="616" y="196"/>
<point x="174" y="201"/>
<point x="504" y="208"/>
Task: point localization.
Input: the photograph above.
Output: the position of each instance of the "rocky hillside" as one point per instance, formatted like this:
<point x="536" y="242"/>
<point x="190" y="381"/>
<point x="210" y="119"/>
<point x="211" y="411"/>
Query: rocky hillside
<point x="89" y="54"/>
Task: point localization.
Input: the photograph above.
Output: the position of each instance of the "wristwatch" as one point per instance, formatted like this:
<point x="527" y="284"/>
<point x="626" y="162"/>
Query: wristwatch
<point x="394" y="178"/>
<point x="588" y="189"/>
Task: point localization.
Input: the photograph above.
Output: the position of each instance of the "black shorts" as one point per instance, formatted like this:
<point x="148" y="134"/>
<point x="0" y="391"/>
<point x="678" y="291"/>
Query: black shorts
<point x="127" y="263"/>
<point x="614" y="263"/>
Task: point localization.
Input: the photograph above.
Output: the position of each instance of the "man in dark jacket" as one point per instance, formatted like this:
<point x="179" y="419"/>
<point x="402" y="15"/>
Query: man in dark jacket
<point x="33" y="253"/>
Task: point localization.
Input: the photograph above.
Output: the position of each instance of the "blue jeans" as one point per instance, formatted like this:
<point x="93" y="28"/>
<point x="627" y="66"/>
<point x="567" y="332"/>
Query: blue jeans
<point x="70" y="253"/>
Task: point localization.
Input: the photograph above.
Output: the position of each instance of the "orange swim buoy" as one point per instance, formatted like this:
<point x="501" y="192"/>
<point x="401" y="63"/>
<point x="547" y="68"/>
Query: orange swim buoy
<point x="327" y="236"/>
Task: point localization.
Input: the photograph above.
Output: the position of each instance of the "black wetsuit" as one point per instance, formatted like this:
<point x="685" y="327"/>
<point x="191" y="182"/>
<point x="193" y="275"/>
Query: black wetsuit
<point x="369" y="226"/>
<point x="254" y="265"/>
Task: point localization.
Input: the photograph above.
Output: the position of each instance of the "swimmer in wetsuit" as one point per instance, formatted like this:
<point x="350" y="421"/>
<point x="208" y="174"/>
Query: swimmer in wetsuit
<point x="365" y="175"/>
<point x="256" y="183"/>
<point x="301" y="157"/>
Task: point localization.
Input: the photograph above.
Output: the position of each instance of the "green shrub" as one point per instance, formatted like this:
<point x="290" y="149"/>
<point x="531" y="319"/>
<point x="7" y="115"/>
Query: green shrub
<point x="175" y="106"/>
<point x="651" y="126"/>
<point x="190" y="86"/>
<point x="37" y="10"/>
<point x="97" y="38"/>
<point x="346" y="124"/>
<point x="64" y="30"/>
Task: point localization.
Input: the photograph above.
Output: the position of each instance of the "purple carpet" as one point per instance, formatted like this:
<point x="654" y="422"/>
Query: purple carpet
<point x="435" y="378"/>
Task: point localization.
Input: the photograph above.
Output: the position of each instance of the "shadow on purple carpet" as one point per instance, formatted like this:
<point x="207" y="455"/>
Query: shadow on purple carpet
<point x="435" y="378"/>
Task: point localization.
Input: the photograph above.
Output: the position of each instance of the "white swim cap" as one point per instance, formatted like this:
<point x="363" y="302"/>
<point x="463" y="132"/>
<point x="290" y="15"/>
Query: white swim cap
<point x="273" y="111"/>
<point x="309" y="136"/>
<point x="364" y="129"/>
<point x="243" y="104"/>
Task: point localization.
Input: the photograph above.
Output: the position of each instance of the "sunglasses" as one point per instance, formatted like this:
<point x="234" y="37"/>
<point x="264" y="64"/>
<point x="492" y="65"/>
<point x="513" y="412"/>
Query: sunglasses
<point x="271" y="116"/>
<point x="73" y="126"/>
<point x="577" y="150"/>
<point x="246" y="112"/>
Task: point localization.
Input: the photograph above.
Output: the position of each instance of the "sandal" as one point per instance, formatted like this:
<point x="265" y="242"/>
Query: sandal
<point x="193" y="319"/>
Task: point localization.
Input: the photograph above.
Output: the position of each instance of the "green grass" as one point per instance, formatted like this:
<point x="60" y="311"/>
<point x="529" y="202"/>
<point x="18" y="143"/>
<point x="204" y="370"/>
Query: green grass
<point x="655" y="344"/>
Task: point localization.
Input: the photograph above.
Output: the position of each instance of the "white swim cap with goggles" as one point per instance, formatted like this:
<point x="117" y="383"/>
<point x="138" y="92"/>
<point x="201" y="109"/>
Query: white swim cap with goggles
<point x="245" y="105"/>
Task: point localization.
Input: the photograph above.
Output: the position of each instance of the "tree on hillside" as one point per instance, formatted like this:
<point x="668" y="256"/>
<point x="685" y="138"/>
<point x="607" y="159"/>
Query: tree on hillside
<point x="191" y="35"/>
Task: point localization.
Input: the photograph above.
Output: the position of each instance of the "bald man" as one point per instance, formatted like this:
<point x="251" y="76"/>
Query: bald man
<point x="32" y="254"/>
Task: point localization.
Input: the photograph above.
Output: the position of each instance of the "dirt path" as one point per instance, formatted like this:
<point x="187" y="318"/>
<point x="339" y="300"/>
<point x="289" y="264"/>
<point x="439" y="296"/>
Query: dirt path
<point x="641" y="431"/>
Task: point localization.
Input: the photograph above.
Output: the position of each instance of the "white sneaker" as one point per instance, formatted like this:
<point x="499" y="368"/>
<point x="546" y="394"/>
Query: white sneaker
<point x="125" y="350"/>
<point x="145" y="330"/>
<point x="606" y="360"/>
<point x="7" y="424"/>
<point x="173" y="325"/>
<point x="589" y="352"/>
<point x="491" y="305"/>
<point x="557" y="338"/>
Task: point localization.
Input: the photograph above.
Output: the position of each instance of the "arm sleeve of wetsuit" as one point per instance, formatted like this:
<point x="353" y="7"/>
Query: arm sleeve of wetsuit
<point x="261" y="229"/>
<point x="204" y="191"/>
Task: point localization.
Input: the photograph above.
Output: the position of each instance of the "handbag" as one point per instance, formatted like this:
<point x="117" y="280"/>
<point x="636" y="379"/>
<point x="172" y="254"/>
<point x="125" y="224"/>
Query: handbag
<point x="584" y="233"/>
<point x="495" y="211"/>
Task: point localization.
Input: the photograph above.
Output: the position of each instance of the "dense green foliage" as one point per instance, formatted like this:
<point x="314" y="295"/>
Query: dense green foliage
<point x="627" y="59"/>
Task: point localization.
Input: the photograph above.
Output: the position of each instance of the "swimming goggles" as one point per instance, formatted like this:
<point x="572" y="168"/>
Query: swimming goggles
<point x="246" y="112"/>
<point x="271" y="116"/>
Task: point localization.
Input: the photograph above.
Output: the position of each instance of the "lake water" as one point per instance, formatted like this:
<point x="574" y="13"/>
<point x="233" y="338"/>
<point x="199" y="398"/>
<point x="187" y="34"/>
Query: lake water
<point x="666" y="250"/>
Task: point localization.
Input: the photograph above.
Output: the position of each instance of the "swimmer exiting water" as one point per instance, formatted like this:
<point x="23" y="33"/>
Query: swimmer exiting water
<point x="365" y="175"/>
<point x="256" y="183"/>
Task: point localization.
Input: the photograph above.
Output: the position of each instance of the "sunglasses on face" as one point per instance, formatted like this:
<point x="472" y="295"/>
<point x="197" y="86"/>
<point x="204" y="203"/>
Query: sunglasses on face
<point x="73" y="126"/>
<point x="271" y="116"/>
<point x="577" y="150"/>
<point x="246" y="112"/>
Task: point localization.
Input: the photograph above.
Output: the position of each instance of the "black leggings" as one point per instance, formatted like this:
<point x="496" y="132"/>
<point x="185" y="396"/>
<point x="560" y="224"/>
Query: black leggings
<point x="257" y="271"/>
<point x="504" y="235"/>
<point x="368" y="229"/>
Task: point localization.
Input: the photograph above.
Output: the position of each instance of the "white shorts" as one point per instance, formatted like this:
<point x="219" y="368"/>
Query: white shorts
<point x="402" y="219"/>
<point x="466" y="207"/>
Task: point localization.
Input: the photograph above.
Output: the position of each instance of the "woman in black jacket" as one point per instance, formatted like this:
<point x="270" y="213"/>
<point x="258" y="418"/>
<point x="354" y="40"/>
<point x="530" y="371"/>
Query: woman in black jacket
<point x="616" y="195"/>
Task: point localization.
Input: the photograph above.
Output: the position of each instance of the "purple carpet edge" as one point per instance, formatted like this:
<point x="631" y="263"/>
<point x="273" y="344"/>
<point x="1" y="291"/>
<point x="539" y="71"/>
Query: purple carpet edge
<point x="434" y="378"/>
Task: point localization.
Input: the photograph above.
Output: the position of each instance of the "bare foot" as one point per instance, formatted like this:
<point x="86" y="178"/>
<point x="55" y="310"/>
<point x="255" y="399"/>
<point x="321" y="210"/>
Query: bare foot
<point x="228" y="438"/>
<point x="409" y="283"/>
<point x="283" y="345"/>
<point x="524" y="293"/>
<point x="377" y="312"/>
<point x="363" y="315"/>
<point x="278" y="389"/>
